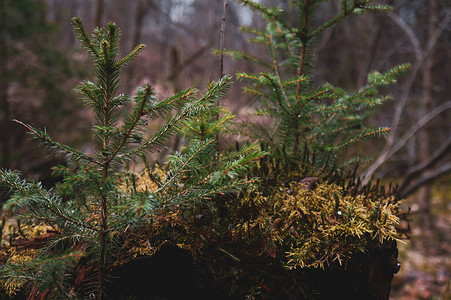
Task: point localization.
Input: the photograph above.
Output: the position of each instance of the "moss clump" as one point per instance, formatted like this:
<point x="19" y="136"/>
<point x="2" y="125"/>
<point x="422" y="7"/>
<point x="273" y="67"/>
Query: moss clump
<point x="324" y="224"/>
<point x="314" y="223"/>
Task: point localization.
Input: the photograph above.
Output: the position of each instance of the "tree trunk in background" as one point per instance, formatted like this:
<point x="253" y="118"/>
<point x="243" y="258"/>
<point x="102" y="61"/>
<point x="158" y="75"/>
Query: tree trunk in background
<point x="426" y="105"/>
<point x="5" y="117"/>
<point x="99" y="13"/>
<point x="141" y="10"/>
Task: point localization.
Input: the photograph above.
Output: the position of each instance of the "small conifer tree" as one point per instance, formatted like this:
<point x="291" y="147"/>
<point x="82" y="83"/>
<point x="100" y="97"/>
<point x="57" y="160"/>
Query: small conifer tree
<point x="311" y="125"/>
<point x="85" y="217"/>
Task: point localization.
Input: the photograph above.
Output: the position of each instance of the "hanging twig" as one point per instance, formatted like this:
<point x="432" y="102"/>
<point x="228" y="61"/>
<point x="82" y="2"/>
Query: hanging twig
<point x="221" y="46"/>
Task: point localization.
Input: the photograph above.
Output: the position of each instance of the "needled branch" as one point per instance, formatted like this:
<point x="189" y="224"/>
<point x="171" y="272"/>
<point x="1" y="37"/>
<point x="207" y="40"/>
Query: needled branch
<point x="64" y="150"/>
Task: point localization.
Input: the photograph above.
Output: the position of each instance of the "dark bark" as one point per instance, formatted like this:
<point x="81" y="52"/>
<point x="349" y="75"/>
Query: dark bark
<point x="367" y="276"/>
<point x="168" y="274"/>
<point x="142" y="9"/>
<point x="172" y="274"/>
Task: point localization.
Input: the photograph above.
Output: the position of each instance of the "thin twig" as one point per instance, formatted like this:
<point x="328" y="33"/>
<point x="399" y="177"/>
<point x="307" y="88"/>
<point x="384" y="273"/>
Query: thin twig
<point x="409" y="32"/>
<point x="439" y="154"/>
<point x="196" y="55"/>
<point x="436" y="173"/>
<point x="223" y="24"/>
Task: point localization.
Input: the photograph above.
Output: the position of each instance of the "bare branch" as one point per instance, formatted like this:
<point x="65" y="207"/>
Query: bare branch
<point x="440" y="153"/>
<point x="390" y="148"/>
<point x="408" y="85"/>
<point x="390" y="151"/>
<point x="438" y="172"/>
<point x="409" y="32"/>
<point x="420" y="124"/>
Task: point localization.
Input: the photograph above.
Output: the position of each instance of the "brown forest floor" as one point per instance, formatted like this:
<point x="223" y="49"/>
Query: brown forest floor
<point x="426" y="258"/>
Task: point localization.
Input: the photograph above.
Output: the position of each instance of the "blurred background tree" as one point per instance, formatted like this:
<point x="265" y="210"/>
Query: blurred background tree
<point x="39" y="65"/>
<point x="35" y="73"/>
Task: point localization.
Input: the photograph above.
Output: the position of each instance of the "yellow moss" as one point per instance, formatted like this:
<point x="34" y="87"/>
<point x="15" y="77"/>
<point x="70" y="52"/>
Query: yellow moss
<point x="12" y="285"/>
<point x="144" y="181"/>
<point x="321" y="225"/>
<point x="139" y="251"/>
<point x="22" y="256"/>
<point x="14" y="256"/>
<point x="325" y="225"/>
